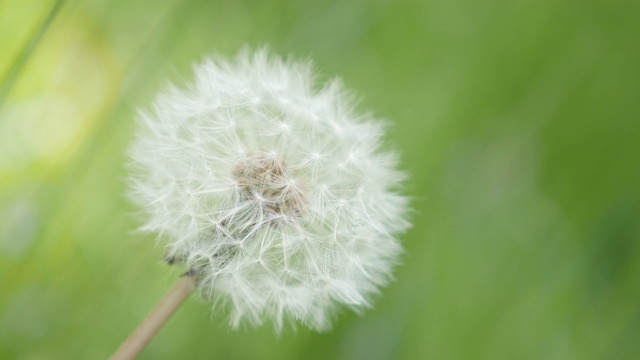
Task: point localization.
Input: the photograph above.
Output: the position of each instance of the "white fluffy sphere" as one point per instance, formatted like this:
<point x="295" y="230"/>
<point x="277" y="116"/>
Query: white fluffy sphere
<point x="272" y="188"/>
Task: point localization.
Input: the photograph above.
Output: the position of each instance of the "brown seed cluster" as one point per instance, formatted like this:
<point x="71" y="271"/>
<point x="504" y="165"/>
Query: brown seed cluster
<point x="263" y="179"/>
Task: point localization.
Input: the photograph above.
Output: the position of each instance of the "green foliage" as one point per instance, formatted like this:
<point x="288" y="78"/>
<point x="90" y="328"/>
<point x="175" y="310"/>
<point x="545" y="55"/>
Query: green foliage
<point x="518" y="122"/>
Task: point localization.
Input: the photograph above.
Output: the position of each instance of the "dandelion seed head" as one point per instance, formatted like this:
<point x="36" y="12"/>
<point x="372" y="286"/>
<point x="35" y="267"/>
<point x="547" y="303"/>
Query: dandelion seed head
<point x="273" y="188"/>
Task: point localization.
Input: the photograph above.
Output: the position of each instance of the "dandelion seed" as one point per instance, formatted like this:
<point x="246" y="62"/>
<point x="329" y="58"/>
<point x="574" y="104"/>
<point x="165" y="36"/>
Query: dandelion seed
<point x="275" y="190"/>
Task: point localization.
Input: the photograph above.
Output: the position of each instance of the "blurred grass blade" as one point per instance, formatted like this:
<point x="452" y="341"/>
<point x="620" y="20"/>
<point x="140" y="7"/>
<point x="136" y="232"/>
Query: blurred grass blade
<point x="21" y="60"/>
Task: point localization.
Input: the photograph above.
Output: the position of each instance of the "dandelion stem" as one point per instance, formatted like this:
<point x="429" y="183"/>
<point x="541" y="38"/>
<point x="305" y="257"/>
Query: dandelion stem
<point x="139" y="339"/>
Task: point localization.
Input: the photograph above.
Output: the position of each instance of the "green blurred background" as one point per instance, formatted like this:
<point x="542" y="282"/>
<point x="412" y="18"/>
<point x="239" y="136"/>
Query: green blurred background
<point x="518" y="121"/>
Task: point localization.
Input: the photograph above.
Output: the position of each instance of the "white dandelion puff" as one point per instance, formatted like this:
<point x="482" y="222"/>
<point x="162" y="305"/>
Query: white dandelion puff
<point x="273" y="188"/>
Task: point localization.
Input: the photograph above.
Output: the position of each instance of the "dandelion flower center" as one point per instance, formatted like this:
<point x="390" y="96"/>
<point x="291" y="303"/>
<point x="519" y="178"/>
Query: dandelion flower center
<point x="264" y="180"/>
